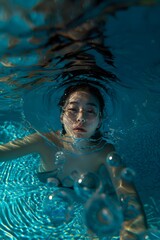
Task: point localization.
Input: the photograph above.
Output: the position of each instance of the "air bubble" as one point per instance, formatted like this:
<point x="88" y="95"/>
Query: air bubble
<point x="52" y="182"/>
<point x="113" y="159"/>
<point x="60" y="161"/>
<point x="87" y="184"/>
<point x="128" y="174"/>
<point x="58" y="206"/>
<point x="129" y="209"/>
<point x="103" y="216"/>
<point x="131" y="212"/>
<point x="59" y="158"/>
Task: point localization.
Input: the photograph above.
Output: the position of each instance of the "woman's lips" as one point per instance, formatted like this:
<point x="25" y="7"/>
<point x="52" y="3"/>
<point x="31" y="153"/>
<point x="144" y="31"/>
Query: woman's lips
<point x="79" y="129"/>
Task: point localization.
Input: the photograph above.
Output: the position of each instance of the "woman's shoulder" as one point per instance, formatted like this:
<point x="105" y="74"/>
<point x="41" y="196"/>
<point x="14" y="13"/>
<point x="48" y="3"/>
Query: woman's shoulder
<point x="53" y="137"/>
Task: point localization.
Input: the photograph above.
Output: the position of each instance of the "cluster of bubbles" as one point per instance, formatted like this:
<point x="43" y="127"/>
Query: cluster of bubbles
<point x="103" y="215"/>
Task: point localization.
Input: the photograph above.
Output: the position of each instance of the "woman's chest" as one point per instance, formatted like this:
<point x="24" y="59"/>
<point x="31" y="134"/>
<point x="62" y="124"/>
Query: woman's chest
<point x="80" y="164"/>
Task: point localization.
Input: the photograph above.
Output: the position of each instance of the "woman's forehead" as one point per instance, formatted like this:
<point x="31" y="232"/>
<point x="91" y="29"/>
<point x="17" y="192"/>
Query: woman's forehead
<point x="83" y="97"/>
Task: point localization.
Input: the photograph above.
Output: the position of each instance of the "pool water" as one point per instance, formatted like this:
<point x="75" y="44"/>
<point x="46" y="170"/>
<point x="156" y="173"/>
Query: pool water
<point x="46" y="46"/>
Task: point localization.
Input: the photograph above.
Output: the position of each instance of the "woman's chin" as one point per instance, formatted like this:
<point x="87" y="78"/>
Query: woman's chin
<point x="80" y="135"/>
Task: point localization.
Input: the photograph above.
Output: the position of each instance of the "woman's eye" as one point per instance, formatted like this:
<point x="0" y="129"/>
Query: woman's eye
<point x="72" y="109"/>
<point x="91" y="111"/>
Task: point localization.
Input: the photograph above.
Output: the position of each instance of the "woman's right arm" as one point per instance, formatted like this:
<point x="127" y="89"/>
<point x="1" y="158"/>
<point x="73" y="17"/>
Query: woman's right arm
<point x="30" y="144"/>
<point x="135" y="221"/>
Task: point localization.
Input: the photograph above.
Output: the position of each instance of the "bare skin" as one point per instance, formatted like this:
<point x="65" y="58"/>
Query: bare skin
<point x="36" y="143"/>
<point x="81" y="117"/>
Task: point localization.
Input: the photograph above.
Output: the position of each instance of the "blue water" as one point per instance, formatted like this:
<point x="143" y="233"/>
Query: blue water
<point x="48" y="45"/>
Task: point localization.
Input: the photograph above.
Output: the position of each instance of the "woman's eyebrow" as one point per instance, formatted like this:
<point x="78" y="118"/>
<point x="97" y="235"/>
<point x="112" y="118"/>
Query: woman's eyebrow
<point x="73" y="102"/>
<point x="92" y="104"/>
<point x="89" y="103"/>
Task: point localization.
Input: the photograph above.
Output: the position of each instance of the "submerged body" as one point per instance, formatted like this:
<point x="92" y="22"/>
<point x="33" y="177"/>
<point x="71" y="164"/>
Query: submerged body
<point x="79" y="158"/>
<point x="81" y="162"/>
<point x="78" y="148"/>
<point x="73" y="157"/>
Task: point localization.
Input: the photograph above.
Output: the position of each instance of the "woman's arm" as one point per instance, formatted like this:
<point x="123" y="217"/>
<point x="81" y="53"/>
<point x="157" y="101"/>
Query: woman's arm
<point x="134" y="216"/>
<point x="20" y="147"/>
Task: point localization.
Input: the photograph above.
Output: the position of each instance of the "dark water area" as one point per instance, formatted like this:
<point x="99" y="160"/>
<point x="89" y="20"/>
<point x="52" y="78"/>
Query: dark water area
<point x="46" y="46"/>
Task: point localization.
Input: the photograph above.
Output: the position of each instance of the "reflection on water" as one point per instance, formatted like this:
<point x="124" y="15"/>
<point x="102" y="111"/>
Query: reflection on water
<point x="48" y="45"/>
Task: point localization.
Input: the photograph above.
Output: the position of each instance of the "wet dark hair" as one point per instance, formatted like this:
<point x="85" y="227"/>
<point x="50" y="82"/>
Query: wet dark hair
<point x="83" y="87"/>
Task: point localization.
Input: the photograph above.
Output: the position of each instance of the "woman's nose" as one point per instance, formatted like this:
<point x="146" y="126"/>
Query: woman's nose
<point x="81" y="116"/>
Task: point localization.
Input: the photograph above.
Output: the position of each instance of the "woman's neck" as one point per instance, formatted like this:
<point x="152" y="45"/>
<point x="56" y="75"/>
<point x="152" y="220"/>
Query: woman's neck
<point x="82" y="145"/>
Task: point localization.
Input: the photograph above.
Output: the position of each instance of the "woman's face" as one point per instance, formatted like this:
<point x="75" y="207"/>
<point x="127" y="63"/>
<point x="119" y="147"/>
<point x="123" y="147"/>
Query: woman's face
<point x="81" y="115"/>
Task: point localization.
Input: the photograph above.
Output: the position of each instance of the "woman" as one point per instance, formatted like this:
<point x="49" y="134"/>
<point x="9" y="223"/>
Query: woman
<point x="81" y="118"/>
<point x="77" y="149"/>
